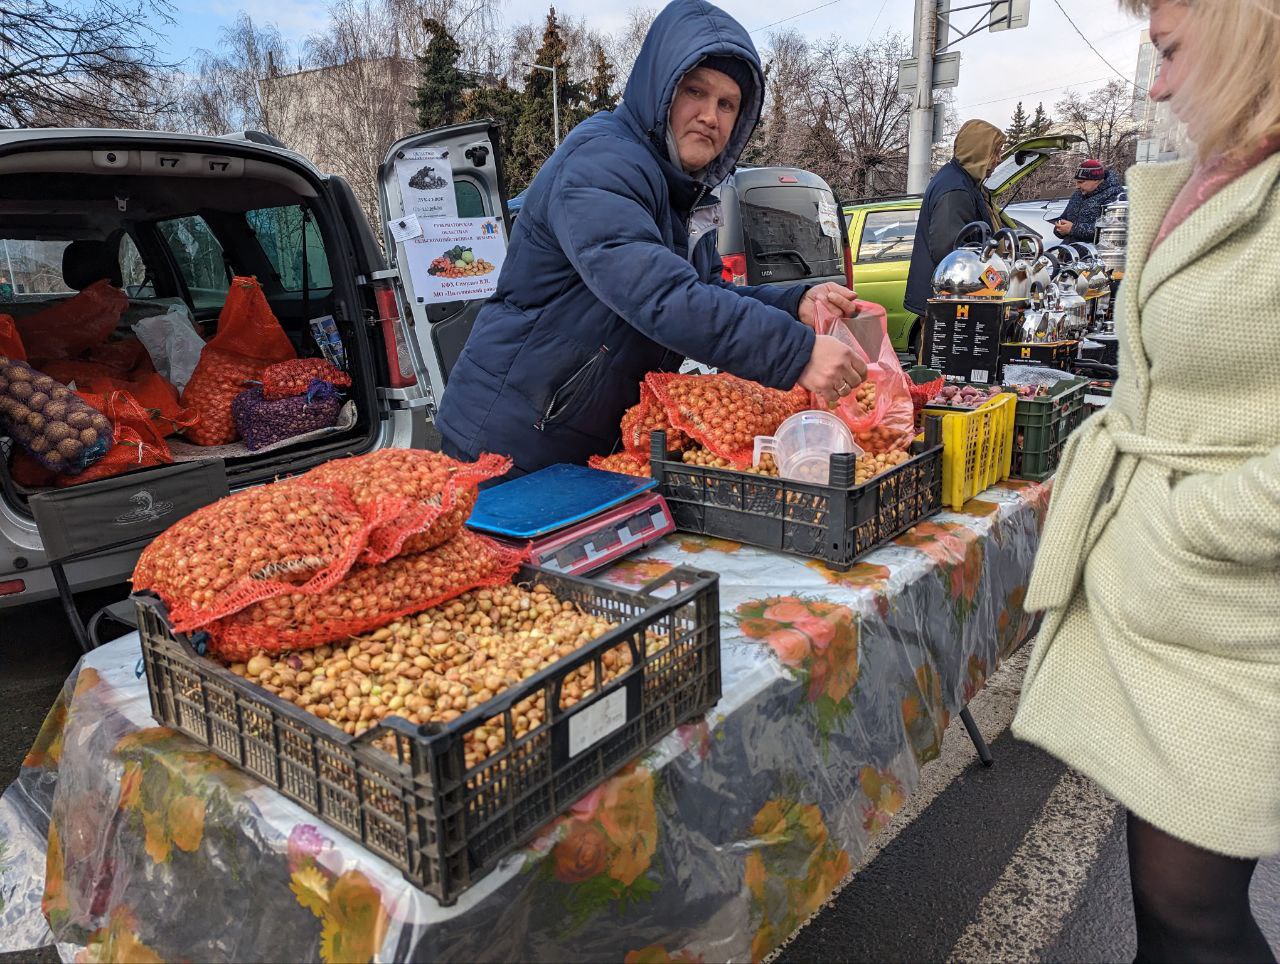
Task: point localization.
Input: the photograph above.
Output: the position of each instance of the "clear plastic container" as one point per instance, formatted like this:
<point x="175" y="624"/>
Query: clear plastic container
<point x="803" y="445"/>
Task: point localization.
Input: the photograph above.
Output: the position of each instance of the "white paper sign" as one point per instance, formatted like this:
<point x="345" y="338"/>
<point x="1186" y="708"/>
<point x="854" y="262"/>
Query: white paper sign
<point x="426" y="183"/>
<point x="828" y="219"/>
<point x="456" y="260"/>
<point x="402" y="229"/>
<point x="589" y="726"/>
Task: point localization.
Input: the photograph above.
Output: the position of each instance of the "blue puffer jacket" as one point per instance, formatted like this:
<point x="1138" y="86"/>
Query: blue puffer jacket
<point x="599" y="286"/>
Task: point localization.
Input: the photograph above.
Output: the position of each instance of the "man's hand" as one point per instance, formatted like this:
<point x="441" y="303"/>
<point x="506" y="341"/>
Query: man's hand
<point x="838" y="298"/>
<point x="833" y="370"/>
<point x="1063" y="228"/>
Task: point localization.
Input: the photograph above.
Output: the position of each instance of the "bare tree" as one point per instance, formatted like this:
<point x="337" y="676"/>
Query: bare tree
<point x="624" y="46"/>
<point x="1104" y="118"/>
<point x="235" y="86"/>
<point x="92" y="62"/>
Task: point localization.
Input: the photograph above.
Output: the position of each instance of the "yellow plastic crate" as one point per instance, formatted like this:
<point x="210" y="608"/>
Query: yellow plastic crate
<point x="977" y="448"/>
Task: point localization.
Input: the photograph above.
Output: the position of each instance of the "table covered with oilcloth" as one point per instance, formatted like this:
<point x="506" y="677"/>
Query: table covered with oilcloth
<point x="121" y="840"/>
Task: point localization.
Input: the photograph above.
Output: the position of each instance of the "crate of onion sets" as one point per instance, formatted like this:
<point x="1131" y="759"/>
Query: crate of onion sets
<point x="445" y="801"/>
<point x="866" y="504"/>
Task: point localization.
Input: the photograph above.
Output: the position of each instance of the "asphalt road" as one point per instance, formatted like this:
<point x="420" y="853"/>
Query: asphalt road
<point x="1022" y="862"/>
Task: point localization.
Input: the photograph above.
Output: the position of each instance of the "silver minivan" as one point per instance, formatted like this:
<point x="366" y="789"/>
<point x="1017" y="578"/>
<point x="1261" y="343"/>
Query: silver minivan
<point x="176" y="216"/>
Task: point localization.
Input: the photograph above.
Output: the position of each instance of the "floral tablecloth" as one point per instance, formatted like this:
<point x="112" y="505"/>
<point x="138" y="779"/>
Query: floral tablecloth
<point x="121" y="840"/>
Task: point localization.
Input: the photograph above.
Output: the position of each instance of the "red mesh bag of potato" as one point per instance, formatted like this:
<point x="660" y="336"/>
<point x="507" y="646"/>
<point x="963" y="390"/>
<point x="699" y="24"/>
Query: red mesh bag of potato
<point x="435" y="491"/>
<point x="624" y="463"/>
<point x="10" y="341"/>
<point x="645" y="417"/>
<point x="138" y="440"/>
<point x="723" y="412"/>
<point x="146" y="386"/>
<point x="81" y="322"/>
<point x="368" y="598"/>
<point x="288" y="378"/>
<point x="288" y="537"/>
<point x="249" y="339"/>
<point x="53" y="424"/>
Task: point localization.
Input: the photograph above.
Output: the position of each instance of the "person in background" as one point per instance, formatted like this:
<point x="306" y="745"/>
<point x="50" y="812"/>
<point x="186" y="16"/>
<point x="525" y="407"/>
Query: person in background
<point x="1096" y="187"/>
<point x="955" y="196"/>
<point x="613" y="272"/>
<point x="1156" y="672"/>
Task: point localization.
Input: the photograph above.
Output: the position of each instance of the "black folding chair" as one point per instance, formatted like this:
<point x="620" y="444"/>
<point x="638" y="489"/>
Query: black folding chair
<point x="101" y="517"/>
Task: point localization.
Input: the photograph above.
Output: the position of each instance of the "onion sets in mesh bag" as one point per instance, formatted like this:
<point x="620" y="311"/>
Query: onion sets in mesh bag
<point x="302" y="537"/>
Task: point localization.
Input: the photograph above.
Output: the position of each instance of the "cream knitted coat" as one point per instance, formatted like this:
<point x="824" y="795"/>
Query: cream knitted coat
<point x="1157" y="670"/>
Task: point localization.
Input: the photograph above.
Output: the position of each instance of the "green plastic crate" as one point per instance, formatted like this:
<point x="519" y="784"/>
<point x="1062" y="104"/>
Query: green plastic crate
<point x="1041" y="427"/>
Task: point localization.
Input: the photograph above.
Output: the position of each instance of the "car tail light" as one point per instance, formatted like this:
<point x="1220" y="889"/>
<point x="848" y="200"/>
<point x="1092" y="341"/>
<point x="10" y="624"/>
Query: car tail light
<point x="848" y="266"/>
<point x="12" y="587"/>
<point x="400" y="372"/>
<point x="735" y="269"/>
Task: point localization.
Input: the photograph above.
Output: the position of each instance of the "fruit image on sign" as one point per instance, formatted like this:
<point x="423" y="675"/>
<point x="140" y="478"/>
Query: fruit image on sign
<point x="459" y="262"/>
<point x="455" y="260"/>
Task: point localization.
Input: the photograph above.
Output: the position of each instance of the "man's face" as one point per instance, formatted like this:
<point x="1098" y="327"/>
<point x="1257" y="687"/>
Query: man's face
<point x="703" y="112"/>
<point x="1088" y="187"/>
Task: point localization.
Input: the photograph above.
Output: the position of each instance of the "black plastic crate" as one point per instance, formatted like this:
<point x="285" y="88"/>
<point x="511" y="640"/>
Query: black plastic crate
<point x="836" y="523"/>
<point x="421" y="808"/>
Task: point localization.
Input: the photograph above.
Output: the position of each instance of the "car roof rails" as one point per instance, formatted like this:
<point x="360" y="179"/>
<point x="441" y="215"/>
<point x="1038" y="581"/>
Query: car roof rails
<point x="257" y="137"/>
<point x="881" y="199"/>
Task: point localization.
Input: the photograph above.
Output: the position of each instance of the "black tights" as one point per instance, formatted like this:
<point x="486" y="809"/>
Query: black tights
<point x="1191" y="904"/>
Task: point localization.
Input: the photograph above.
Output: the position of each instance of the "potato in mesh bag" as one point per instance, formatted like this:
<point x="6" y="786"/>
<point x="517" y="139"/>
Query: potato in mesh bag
<point x="49" y="420"/>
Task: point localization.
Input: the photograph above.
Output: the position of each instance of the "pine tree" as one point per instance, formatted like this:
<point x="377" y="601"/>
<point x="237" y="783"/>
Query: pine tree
<point x="1041" y="123"/>
<point x="441" y="85"/>
<point x="535" y="135"/>
<point x="600" y="95"/>
<point x="1017" y="129"/>
<point x="501" y="103"/>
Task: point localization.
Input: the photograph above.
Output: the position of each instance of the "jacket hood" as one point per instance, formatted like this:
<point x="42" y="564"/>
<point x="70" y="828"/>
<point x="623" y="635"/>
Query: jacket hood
<point x="685" y="32"/>
<point x="975" y="143"/>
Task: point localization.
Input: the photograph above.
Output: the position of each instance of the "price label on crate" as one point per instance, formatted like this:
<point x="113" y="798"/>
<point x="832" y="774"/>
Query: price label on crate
<point x="589" y="726"/>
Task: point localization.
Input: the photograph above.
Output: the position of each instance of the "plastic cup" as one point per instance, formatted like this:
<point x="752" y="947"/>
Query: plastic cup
<point x="804" y="443"/>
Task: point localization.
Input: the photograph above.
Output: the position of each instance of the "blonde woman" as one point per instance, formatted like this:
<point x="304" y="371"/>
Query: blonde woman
<point x="1157" y="672"/>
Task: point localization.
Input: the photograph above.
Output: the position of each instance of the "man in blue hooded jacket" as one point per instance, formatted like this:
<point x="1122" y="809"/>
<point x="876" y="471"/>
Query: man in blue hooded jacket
<point x="612" y="270"/>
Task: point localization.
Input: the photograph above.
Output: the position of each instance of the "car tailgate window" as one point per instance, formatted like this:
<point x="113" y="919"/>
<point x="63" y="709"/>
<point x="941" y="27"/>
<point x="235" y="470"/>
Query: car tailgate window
<point x="785" y="241"/>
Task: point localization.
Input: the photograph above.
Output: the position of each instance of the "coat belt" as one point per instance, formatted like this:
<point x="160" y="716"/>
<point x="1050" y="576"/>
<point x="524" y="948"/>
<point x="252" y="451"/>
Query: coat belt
<point x="1103" y="453"/>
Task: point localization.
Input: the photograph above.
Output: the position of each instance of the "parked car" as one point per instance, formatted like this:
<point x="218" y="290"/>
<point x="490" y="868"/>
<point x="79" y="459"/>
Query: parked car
<point x="175" y="216"/>
<point x="1039" y="216"/>
<point x="882" y="232"/>
<point x="779" y="225"/>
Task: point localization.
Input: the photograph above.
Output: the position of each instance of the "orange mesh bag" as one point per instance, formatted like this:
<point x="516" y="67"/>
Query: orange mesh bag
<point x="723" y="412"/>
<point x="367" y="599"/>
<point x="131" y="450"/>
<point x="10" y="341"/>
<point x="288" y="378"/>
<point x="30" y="474"/>
<point x="287" y="537"/>
<point x="122" y="356"/>
<point x="249" y="339"/>
<point x="147" y="387"/>
<point x="73" y="326"/>
<point x="436" y="492"/>
<point x="624" y="463"/>
<point x="645" y="417"/>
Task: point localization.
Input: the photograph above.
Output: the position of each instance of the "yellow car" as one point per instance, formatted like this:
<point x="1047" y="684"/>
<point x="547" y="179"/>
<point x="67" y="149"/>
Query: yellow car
<point x="882" y="232"/>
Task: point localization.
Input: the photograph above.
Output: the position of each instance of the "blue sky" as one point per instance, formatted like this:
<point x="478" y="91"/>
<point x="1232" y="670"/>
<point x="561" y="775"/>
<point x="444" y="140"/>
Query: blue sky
<point x="1036" y="63"/>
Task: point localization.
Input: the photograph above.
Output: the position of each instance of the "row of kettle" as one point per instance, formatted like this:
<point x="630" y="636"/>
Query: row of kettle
<point x="1017" y="266"/>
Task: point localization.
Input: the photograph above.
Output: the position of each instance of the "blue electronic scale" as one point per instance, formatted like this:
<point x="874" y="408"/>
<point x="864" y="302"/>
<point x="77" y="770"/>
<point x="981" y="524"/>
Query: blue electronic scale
<point x="577" y="519"/>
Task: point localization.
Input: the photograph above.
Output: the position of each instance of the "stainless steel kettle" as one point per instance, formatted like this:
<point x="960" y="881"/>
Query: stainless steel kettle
<point x="1031" y="268"/>
<point x="969" y="269"/>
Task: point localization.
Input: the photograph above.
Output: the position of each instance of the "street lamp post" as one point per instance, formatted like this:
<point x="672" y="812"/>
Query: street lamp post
<point x="555" y="98"/>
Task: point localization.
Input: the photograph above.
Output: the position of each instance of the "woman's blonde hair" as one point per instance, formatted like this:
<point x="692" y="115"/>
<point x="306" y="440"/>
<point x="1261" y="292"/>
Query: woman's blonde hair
<point x="1232" y="96"/>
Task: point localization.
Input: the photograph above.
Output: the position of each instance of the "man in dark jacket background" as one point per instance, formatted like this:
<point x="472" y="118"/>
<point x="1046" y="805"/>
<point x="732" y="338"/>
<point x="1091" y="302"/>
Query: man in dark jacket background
<point x="612" y="271"/>
<point x="1096" y="187"/>
<point x="955" y="196"/>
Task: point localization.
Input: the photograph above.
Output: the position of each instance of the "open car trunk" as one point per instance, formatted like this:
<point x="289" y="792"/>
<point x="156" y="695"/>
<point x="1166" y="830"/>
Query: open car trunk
<point x="177" y="219"/>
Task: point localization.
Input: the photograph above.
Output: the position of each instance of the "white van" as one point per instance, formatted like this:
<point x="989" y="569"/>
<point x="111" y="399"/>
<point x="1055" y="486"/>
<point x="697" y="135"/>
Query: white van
<point x="175" y="216"/>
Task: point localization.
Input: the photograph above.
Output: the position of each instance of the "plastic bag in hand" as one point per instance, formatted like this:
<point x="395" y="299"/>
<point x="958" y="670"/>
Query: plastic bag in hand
<point x="879" y="411"/>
